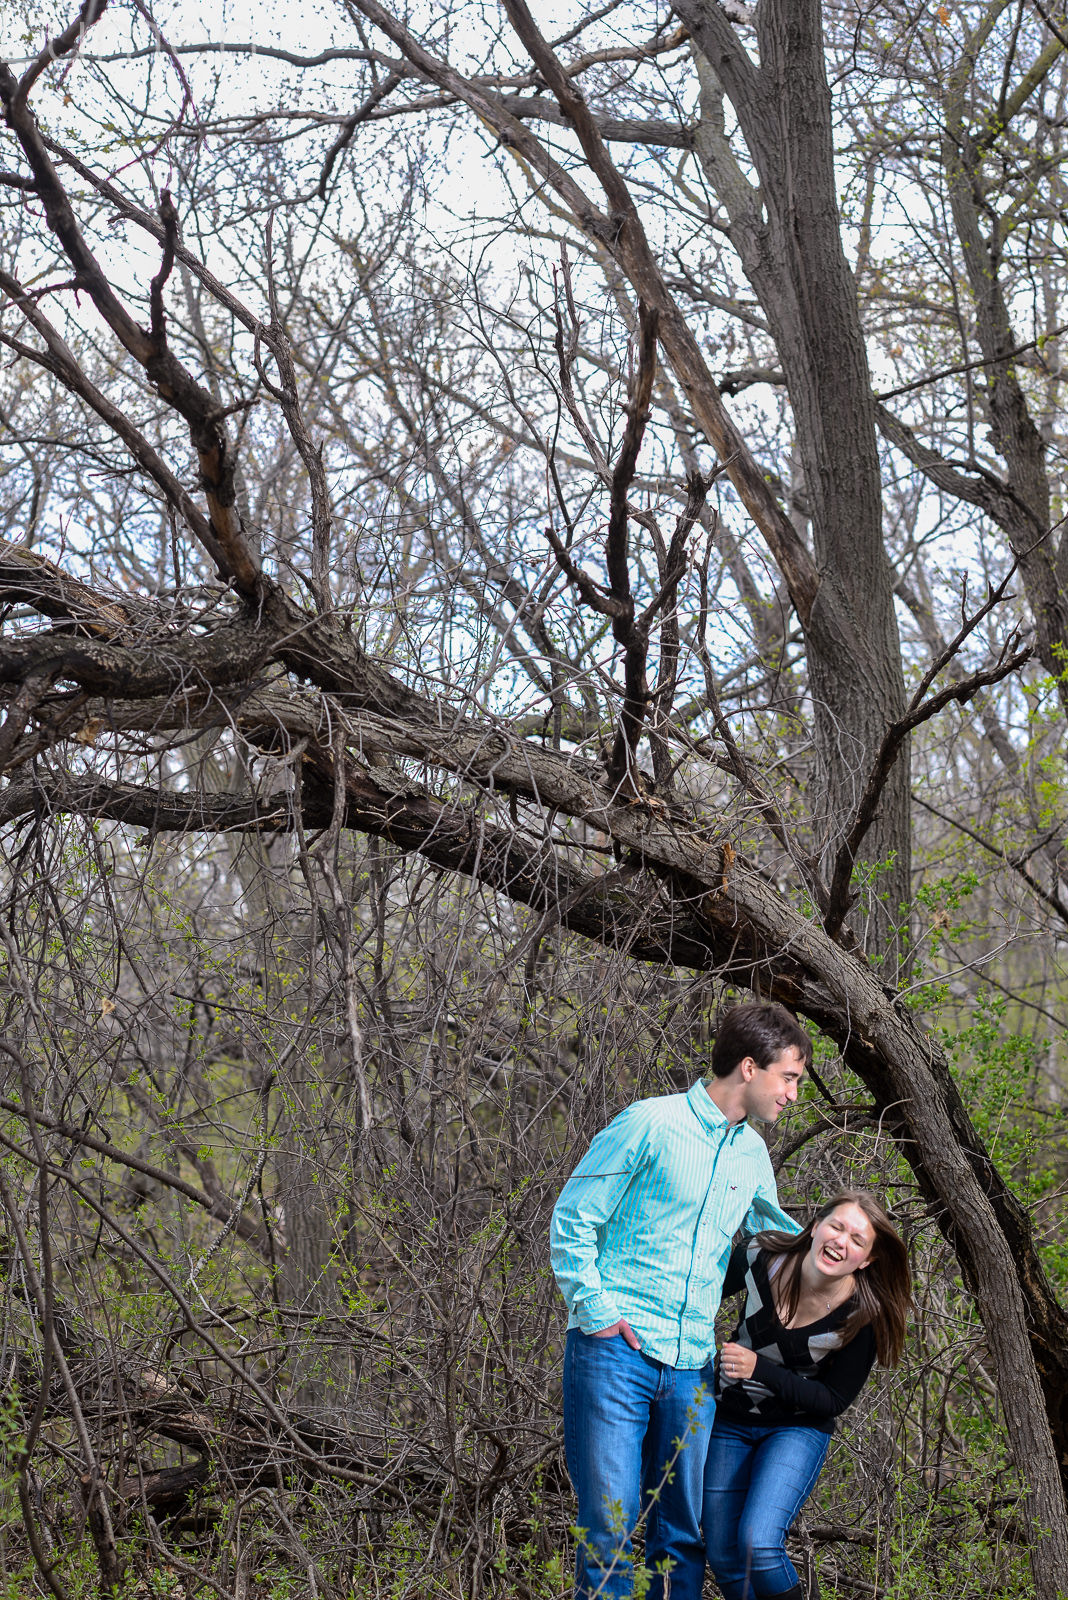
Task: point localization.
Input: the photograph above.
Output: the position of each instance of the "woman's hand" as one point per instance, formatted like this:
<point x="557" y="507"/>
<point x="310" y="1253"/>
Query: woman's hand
<point x="736" y="1361"/>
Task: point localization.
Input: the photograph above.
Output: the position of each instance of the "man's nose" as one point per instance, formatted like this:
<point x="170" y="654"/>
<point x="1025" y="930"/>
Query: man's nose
<point x="791" y="1092"/>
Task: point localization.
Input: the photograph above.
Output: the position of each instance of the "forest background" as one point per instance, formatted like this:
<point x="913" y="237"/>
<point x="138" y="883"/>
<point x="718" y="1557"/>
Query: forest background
<point x="520" y="527"/>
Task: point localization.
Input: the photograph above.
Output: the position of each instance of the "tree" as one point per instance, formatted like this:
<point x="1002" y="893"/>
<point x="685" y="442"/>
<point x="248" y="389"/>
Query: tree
<point x="406" y="426"/>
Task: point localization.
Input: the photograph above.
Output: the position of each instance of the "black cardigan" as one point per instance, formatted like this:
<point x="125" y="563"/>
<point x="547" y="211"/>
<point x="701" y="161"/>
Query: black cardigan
<point x="804" y="1377"/>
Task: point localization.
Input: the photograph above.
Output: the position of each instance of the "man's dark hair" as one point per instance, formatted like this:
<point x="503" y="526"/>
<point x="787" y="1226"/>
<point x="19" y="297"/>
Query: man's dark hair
<point x="759" y="1029"/>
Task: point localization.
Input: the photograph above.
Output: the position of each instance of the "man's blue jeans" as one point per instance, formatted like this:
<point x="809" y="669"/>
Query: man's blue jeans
<point x="756" y="1481"/>
<point x="625" y="1416"/>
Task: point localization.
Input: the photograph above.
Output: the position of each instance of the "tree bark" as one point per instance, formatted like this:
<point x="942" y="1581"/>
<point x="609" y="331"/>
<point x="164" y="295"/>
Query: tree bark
<point x="1025" y="513"/>
<point x="788" y="238"/>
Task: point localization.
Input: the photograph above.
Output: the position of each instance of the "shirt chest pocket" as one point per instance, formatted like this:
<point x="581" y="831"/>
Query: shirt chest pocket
<point x="726" y="1208"/>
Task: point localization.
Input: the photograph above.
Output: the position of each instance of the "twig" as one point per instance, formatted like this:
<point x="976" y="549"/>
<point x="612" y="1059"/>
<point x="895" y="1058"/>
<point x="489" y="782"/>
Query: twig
<point x="982" y="361"/>
<point x="169" y="218"/>
<point x="672" y="566"/>
<point x="1016" y="863"/>
<point x="631" y="635"/>
<point x="377" y="94"/>
<point x="967" y="627"/>
<point x="741" y="768"/>
<point x="566" y="351"/>
<point x="893" y="740"/>
<point x="68" y="40"/>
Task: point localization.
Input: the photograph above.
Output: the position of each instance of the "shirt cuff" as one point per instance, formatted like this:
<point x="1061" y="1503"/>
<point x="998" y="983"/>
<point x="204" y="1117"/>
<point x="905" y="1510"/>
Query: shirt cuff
<point x="596" y="1312"/>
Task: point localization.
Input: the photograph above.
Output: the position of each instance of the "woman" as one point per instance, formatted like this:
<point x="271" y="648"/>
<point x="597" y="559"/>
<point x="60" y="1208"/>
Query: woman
<point x="820" y="1307"/>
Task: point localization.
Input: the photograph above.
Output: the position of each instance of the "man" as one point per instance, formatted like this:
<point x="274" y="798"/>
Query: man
<point x="640" y="1239"/>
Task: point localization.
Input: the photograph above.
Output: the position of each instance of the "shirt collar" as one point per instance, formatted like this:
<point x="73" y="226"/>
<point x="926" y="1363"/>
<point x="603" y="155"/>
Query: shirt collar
<point x="708" y="1113"/>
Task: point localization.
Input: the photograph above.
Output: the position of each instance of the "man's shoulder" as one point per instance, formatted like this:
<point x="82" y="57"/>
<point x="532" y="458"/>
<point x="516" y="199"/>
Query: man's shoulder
<point x="753" y="1143"/>
<point x="655" y="1109"/>
<point x="668" y="1107"/>
<point x="653" y="1117"/>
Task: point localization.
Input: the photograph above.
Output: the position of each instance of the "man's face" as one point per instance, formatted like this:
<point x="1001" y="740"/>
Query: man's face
<point x="770" y="1089"/>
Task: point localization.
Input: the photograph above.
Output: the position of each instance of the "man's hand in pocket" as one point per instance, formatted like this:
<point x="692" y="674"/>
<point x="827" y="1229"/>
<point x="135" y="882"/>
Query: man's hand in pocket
<point x="619" y="1327"/>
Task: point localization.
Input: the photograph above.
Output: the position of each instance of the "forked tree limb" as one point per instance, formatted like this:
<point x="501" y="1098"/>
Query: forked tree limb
<point x="219" y="1207"/>
<point x="60" y="360"/>
<point x="630" y="634"/>
<point x="961" y="691"/>
<point x="619" y="232"/>
<point x="171" y="379"/>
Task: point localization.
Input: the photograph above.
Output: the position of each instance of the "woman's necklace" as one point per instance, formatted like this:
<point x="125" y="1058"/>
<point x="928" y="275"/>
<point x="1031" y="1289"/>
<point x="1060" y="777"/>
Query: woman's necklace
<point x="814" y="1304"/>
<point x="818" y="1297"/>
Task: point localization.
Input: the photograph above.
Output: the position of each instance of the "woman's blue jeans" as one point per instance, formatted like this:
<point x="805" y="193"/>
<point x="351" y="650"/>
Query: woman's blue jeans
<point x="756" y="1481"/>
<point x="636" y="1433"/>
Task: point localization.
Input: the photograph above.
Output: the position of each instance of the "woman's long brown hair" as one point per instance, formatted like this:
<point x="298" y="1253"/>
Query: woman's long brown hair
<point x="883" y="1293"/>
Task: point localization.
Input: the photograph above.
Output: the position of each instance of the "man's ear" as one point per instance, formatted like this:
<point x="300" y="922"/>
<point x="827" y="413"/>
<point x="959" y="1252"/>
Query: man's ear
<point x="747" y="1066"/>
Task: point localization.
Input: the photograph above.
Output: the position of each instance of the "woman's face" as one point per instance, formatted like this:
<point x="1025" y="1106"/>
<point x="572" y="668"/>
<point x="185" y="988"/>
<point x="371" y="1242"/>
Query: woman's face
<point x="842" y="1243"/>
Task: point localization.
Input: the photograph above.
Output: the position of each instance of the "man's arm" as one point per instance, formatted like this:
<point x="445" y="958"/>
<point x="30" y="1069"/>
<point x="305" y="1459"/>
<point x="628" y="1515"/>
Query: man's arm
<point x="765" y="1211"/>
<point x="588" y="1199"/>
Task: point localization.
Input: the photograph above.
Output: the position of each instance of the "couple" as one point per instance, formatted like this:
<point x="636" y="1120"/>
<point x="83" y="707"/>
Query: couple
<point x="717" y="1455"/>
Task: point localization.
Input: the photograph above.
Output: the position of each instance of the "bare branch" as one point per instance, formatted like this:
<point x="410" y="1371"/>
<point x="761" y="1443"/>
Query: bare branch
<point x="169" y="218"/>
<point x="632" y="636"/>
<point x="218" y="1206"/>
<point x="380" y="92"/>
<point x="971" y="366"/>
<point x="1017" y="863"/>
<point x="174" y="383"/>
<point x="591" y="592"/>
<point x="962" y="691"/>
<point x="70" y="39"/>
<point x="622" y="236"/>
<point x="58" y="359"/>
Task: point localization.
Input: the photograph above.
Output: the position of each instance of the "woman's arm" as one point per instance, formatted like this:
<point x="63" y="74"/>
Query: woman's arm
<point x="842" y="1376"/>
<point x="734" y="1277"/>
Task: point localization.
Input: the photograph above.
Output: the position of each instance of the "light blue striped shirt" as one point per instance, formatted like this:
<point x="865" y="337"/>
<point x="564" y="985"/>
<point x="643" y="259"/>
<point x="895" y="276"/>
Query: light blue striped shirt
<point x="643" y="1227"/>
